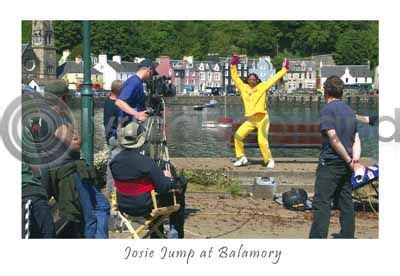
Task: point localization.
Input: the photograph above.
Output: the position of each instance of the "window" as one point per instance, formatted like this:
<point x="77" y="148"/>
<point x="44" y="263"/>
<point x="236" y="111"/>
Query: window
<point x="202" y="76"/>
<point x="240" y="73"/>
<point x="49" y="69"/>
<point x="356" y="80"/>
<point x="245" y="66"/>
<point x="245" y="74"/>
<point x="226" y="65"/>
<point x="239" y="66"/>
<point x="309" y="76"/>
<point x="209" y="75"/>
<point x="193" y="74"/>
<point x="187" y="73"/>
<point x="347" y="80"/>
<point x="216" y="76"/>
<point x="187" y="81"/>
<point x="226" y="73"/>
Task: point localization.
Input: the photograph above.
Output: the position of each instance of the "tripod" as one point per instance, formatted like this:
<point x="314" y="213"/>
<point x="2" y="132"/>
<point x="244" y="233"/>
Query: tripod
<point x="156" y="139"/>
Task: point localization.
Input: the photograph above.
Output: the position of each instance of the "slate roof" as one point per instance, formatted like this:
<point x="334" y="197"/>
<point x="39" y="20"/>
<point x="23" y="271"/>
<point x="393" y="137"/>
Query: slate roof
<point x="124" y="66"/>
<point x="339" y="70"/>
<point x="296" y="64"/>
<point x="73" y="67"/>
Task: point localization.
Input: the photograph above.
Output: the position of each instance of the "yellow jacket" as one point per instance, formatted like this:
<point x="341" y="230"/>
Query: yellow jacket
<point x="254" y="99"/>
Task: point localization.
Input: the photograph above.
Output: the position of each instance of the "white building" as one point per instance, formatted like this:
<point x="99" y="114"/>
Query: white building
<point x="351" y="75"/>
<point x="302" y="75"/>
<point x="115" y="69"/>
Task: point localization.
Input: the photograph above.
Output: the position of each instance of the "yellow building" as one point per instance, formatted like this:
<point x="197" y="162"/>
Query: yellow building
<point x="72" y="73"/>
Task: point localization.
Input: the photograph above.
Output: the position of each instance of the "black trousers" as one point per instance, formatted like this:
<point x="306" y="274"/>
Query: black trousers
<point x="176" y="219"/>
<point x="40" y="221"/>
<point x="332" y="184"/>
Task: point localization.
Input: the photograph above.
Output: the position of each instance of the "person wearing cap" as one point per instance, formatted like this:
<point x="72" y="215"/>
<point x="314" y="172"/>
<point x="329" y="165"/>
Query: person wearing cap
<point x="131" y="100"/>
<point x="136" y="175"/>
<point x="67" y="177"/>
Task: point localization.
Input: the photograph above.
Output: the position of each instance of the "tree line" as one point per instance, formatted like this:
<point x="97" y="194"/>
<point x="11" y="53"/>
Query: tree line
<point x="352" y="42"/>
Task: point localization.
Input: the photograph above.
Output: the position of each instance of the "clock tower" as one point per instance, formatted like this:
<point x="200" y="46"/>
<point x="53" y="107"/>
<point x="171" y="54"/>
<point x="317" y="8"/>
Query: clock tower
<point x="44" y="49"/>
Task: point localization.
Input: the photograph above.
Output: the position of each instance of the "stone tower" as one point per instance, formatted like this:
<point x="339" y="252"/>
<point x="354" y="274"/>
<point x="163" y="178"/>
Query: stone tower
<point x="43" y="46"/>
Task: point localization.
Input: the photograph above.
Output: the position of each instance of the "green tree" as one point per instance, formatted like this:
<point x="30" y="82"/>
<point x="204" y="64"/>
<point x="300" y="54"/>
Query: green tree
<point x="311" y="39"/>
<point x="358" y="47"/>
<point x="67" y="34"/>
<point x="26" y="31"/>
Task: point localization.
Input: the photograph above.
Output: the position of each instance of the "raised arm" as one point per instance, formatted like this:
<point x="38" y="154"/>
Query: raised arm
<point x="236" y="80"/>
<point x="275" y="78"/>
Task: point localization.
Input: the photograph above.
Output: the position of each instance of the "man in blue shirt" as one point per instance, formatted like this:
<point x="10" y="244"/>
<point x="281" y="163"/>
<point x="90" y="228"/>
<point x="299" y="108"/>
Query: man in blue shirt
<point x="131" y="100"/>
<point x="340" y="154"/>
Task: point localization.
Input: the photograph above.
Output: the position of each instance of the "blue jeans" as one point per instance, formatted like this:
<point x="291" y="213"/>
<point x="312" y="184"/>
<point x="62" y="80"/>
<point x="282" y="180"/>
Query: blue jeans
<point x="113" y="150"/>
<point x="95" y="209"/>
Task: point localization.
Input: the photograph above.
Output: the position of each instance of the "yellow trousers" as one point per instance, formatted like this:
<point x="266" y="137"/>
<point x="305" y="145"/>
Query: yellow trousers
<point x="261" y="122"/>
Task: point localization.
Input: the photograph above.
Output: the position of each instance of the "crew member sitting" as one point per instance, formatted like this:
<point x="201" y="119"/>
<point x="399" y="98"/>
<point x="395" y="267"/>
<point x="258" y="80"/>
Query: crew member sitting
<point x="136" y="175"/>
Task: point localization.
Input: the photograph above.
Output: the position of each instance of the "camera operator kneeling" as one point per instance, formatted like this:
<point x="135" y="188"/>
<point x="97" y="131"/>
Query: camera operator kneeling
<point x="136" y="175"/>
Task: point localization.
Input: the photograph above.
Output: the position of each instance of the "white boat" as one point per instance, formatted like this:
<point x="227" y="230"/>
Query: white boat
<point x="215" y="124"/>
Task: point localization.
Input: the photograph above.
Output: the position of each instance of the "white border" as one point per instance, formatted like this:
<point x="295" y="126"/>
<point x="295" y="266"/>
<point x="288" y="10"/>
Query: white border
<point x="364" y="257"/>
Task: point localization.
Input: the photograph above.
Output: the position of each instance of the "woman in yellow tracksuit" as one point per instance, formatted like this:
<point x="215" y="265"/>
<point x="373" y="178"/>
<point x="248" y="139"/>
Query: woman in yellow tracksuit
<point x="254" y="95"/>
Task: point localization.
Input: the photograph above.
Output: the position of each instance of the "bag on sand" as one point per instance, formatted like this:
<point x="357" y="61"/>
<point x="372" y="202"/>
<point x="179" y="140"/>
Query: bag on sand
<point x="296" y="200"/>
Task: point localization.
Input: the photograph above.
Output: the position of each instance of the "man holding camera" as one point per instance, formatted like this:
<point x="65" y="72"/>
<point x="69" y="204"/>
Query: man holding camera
<point x="131" y="100"/>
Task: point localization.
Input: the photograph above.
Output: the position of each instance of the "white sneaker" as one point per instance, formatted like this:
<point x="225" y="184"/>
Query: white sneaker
<point x="241" y="161"/>
<point x="271" y="164"/>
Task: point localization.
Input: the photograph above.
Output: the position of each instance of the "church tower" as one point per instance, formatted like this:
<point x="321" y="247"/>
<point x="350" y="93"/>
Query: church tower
<point x="45" y="51"/>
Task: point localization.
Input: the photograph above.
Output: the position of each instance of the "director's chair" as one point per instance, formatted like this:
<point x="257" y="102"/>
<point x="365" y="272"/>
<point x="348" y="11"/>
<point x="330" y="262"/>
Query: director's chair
<point x="143" y="227"/>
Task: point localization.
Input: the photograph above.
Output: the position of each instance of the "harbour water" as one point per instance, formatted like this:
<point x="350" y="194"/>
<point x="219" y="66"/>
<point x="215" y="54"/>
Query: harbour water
<point x="187" y="138"/>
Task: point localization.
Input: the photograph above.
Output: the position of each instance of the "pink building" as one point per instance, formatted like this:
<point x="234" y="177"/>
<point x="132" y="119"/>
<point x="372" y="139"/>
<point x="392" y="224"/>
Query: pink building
<point x="165" y="69"/>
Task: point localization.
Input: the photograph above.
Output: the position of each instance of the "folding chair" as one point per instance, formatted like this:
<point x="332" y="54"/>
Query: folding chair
<point x="143" y="227"/>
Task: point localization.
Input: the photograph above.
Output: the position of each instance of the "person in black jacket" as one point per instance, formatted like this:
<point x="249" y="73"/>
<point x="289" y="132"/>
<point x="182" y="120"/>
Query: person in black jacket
<point x="136" y="175"/>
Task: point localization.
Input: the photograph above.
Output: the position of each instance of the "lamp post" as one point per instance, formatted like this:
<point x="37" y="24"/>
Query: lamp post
<point x="87" y="127"/>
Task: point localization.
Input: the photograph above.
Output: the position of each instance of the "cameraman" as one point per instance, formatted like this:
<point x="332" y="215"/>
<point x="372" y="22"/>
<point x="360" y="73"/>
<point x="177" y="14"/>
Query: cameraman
<point x="136" y="175"/>
<point x="131" y="100"/>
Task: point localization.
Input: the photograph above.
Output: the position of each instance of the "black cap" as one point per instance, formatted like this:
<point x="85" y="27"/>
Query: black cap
<point x="148" y="64"/>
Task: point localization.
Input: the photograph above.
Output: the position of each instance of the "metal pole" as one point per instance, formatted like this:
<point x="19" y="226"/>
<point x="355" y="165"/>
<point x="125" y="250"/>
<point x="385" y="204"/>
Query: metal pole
<point x="87" y="99"/>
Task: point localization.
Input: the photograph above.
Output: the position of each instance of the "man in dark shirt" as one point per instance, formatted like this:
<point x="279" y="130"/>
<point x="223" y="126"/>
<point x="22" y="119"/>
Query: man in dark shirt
<point x="111" y="112"/>
<point x="136" y="175"/>
<point x="110" y="121"/>
<point x="131" y="101"/>
<point x="340" y="154"/>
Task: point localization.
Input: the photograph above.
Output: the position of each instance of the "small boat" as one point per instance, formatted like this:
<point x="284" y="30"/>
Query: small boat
<point x="198" y="107"/>
<point x="211" y="103"/>
<point x="220" y="123"/>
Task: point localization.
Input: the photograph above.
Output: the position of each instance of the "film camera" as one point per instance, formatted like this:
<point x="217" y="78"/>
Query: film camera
<point x="157" y="88"/>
